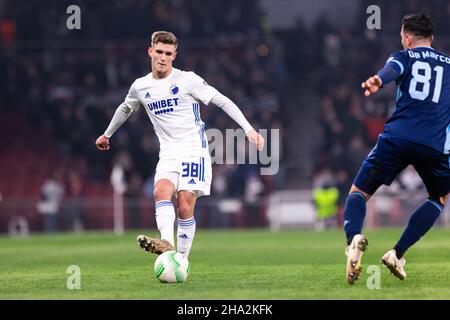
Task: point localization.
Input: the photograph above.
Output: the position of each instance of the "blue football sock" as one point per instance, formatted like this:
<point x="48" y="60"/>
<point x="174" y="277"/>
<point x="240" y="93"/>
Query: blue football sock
<point x="354" y="214"/>
<point x="420" y="222"/>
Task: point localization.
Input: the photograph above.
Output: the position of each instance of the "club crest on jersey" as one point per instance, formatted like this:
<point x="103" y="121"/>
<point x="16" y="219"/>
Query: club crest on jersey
<point x="174" y="89"/>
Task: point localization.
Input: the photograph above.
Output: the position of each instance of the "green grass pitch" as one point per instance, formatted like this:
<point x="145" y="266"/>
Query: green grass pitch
<point x="236" y="264"/>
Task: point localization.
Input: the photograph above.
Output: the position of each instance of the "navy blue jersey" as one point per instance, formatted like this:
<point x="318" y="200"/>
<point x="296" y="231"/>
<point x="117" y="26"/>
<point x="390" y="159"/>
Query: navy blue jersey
<point x="422" y="109"/>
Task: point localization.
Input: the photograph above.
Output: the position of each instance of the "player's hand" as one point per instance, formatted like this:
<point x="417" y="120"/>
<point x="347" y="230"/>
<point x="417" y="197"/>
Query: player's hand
<point x="102" y="143"/>
<point x="371" y="85"/>
<point x="256" y="138"/>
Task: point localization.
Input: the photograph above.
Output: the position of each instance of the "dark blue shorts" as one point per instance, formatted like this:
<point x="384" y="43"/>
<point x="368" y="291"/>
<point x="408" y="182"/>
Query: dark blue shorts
<point x="391" y="155"/>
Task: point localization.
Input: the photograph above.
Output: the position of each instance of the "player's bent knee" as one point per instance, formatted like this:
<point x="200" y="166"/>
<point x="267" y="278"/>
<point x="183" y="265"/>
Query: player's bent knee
<point x="186" y="204"/>
<point x="355" y="189"/>
<point x="162" y="194"/>
<point x="185" y="210"/>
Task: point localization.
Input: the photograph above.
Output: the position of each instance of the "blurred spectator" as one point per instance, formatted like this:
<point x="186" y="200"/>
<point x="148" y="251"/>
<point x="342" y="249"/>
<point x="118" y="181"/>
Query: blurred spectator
<point x="132" y="199"/>
<point x="326" y="203"/>
<point x="410" y="181"/>
<point x="73" y="204"/>
<point x="52" y="193"/>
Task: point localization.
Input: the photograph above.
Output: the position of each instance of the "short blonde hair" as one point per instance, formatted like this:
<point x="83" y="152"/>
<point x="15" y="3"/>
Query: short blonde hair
<point x="165" y="37"/>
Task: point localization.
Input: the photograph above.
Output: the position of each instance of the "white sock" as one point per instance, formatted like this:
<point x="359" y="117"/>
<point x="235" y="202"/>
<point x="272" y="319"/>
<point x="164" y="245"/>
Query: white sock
<point x="165" y="219"/>
<point x="185" y="236"/>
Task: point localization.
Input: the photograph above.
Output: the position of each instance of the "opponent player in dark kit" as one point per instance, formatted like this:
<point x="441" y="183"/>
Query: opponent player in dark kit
<point x="417" y="133"/>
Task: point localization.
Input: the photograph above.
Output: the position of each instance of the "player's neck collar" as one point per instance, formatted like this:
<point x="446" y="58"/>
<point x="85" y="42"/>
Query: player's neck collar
<point x="166" y="77"/>
<point x="428" y="47"/>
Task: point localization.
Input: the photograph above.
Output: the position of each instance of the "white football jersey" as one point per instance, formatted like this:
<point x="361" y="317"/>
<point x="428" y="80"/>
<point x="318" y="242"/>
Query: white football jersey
<point x="172" y="105"/>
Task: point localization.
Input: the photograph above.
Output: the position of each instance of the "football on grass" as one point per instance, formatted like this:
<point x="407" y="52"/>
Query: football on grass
<point x="171" y="267"/>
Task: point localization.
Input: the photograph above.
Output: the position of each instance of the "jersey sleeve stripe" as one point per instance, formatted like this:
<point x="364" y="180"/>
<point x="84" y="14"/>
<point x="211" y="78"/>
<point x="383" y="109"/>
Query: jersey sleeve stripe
<point x="399" y="64"/>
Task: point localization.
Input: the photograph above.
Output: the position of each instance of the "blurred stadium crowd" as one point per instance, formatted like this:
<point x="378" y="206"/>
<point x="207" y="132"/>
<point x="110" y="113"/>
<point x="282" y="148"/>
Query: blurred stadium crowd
<point x="60" y="88"/>
<point x="65" y="86"/>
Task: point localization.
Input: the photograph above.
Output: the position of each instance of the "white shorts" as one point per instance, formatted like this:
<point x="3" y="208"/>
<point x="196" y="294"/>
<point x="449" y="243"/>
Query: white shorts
<point x="191" y="173"/>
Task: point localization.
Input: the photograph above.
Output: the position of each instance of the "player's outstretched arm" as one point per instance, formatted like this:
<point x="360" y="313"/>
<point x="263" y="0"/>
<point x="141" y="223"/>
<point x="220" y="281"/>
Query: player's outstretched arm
<point x="122" y="113"/>
<point x="120" y="116"/>
<point x="391" y="71"/>
<point x="372" y="85"/>
<point x="236" y="114"/>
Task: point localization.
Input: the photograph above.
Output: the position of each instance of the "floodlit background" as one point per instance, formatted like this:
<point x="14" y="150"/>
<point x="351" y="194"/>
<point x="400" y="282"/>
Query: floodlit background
<point x="290" y="65"/>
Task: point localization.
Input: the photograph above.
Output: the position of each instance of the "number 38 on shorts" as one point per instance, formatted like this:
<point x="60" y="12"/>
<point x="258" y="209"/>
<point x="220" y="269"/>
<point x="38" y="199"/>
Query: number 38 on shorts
<point x="192" y="173"/>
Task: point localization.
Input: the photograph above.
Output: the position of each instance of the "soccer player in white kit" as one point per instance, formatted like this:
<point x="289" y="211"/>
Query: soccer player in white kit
<point x="171" y="98"/>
